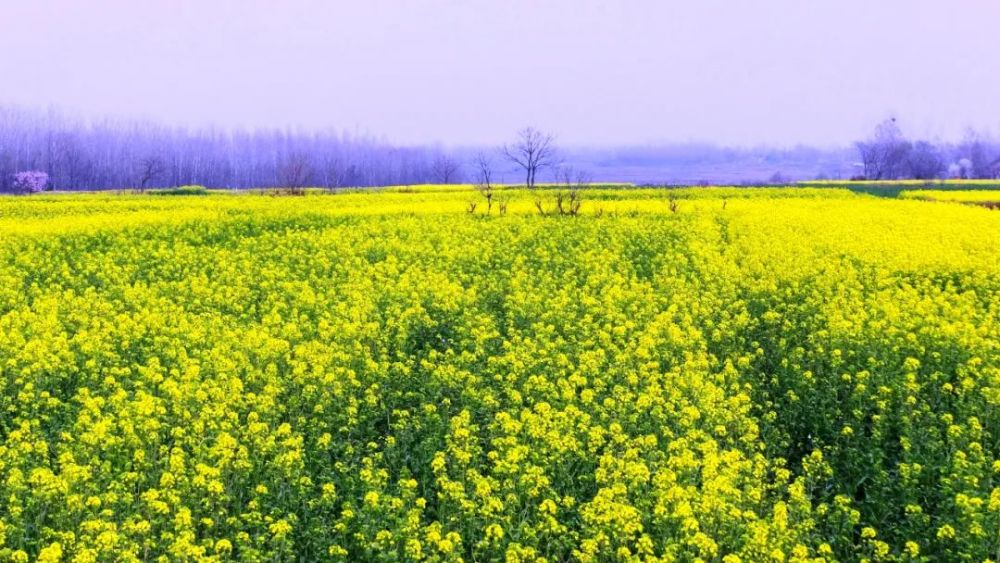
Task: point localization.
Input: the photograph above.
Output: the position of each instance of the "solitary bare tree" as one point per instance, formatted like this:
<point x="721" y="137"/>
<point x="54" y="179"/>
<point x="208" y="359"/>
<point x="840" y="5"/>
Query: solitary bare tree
<point x="149" y="169"/>
<point x="444" y="169"/>
<point x="531" y="151"/>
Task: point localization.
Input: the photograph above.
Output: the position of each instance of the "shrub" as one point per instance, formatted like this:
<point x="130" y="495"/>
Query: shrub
<point x="30" y="181"/>
<point x="182" y="190"/>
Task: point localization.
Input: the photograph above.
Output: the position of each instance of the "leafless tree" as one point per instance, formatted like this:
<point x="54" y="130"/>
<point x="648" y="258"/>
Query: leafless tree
<point x="444" y="169"/>
<point x="531" y="151"/>
<point x="150" y="168"/>
<point x="571" y="178"/>
<point x="564" y="174"/>
<point x="483" y="166"/>
<point x="925" y="161"/>
<point x="333" y="171"/>
<point x="570" y="201"/>
<point x="569" y="198"/>
<point x="296" y="173"/>
<point x="484" y="170"/>
<point x="885" y="155"/>
<point x="977" y="150"/>
<point x="71" y="163"/>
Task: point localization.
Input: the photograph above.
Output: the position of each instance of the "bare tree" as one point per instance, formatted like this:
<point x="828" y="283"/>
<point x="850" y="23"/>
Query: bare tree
<point x="571" y="178"/>
<point x="532" y="151"/>
<point x="575" y="182"/>
<point x="564" y="175"/>
<point x="484" y="170"/>
<point x="925" y="161"/>
<point x="568" y="203"/>
<point x="976" y="149"/>
<point x="569" y="198"/>
<point x="444" y="169"/>
<point x="71" y="161"/>
<point x="885" y="155"/>
<point x="295" y="173"/>
<point x="333" y="171"/>
<point x="484" y="180"/>
<point x="150" y="168"/>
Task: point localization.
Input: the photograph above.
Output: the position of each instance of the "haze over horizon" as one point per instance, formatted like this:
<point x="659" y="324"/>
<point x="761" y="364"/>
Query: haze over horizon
<point x="780" y="72"/>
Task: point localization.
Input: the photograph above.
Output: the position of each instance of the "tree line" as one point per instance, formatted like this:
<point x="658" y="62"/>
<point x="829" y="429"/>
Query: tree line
<point x="48" y="150"/>
<point x="77" y="154"/>
<point x="889" y="155"/>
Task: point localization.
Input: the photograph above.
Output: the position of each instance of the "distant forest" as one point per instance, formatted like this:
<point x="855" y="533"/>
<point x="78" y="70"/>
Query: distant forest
<point x="86" y="155"/>
<point x="81" y="154"/>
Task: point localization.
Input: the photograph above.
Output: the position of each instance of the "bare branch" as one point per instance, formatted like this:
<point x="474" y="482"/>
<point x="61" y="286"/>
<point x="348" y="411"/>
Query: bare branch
<point x="532" y="151"/>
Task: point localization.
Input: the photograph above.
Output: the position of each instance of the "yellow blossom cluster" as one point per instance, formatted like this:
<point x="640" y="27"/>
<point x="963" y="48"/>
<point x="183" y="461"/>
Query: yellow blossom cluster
<point x="704" y="374"/>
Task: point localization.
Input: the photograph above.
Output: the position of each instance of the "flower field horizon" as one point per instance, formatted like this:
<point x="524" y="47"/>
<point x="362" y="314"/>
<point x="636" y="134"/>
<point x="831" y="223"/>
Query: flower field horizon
<point x="419" y="373"/>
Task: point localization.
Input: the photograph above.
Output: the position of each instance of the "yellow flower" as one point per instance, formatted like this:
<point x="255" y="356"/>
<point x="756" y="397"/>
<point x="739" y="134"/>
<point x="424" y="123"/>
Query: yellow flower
<point x="280" y="529"/>
<point x="494" y="532"/>
<point x="223" y="547"/>
<point x="51" y="553"/>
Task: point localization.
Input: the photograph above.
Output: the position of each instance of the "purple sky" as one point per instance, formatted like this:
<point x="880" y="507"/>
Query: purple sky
<point x="595" y="72"/>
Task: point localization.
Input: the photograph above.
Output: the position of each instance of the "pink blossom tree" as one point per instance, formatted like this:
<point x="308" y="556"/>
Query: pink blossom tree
<point x="30" y="181"/>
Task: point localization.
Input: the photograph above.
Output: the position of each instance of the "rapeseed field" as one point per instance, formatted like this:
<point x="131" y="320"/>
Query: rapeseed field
<point x="710" y="374"/>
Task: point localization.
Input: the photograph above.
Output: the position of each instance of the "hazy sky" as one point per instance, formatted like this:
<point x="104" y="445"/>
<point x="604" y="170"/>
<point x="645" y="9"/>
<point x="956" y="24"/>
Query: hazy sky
<point x="592" y="71"/>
